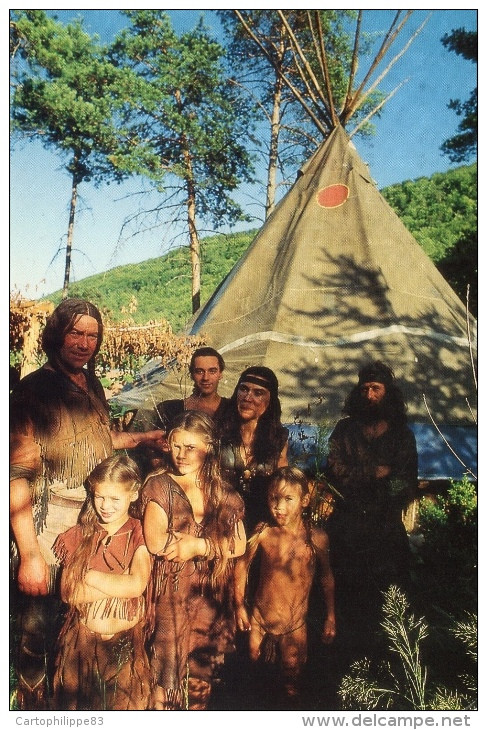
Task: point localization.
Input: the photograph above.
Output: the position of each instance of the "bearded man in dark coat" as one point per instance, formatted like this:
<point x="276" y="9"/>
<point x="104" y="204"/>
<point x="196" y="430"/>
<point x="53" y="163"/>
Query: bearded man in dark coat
<point x="373" y="464"/>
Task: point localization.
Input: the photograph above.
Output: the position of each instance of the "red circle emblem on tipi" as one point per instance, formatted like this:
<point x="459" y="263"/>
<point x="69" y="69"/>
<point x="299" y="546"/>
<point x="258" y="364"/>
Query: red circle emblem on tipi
<point x="332" y="196"/>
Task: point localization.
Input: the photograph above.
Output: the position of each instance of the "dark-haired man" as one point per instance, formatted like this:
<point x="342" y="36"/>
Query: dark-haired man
<point x="372" y="462"/>
<point x="206" y="369"/>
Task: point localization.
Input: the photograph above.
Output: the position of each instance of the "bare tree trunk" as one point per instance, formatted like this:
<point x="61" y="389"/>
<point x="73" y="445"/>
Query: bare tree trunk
<point x="275" y="129"/>
<point x="69" y="241"/>
<point x="274" y="147"/>
<point x="195" y="251"/>
<point x="194" y="241"/>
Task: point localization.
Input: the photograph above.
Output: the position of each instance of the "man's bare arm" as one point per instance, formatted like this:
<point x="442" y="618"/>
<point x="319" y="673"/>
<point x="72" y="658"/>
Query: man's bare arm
<point x="155" y="439"/>
<point x="33" y="571"/>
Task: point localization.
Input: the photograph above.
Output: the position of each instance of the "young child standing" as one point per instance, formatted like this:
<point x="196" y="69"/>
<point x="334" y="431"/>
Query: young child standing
<point x="101" y="660"/>
<point x="193" y="526"/>
<point x="290" y="551"/>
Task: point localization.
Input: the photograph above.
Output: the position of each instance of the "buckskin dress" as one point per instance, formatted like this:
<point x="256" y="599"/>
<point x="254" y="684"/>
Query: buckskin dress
<point x="94" y="672"/>
<point x="194" y="622"/>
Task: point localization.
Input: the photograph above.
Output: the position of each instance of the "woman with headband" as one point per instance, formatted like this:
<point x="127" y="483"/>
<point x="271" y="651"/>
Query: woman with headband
<point x="254" y="443"/>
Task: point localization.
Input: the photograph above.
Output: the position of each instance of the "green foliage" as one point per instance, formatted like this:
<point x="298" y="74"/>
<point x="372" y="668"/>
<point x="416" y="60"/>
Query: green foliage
<point x="463" y="43"/>
<point x="441" y="213"/>
<point x="62" y="94"/>
<point x="277" y="57"/>
<point x="466" y="632"/>
<point x="260" y="65"/>
<point x="437" y="210"/>
<point x="402" y="681"/>
<point x="184" y="126"/>
<point x="184" y="117"/>
<point x="430" y="663"/>
<point x="459" y="266"/>
<point x="153" y="104"/>
<point x="448" y="523"/>
<point x="463" y="146"/>
<point x="61" y="82"/>
<point x="161" y="286"/>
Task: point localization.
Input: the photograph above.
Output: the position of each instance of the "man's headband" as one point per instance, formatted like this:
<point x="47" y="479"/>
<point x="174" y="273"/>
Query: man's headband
<point x="376" y="375"/>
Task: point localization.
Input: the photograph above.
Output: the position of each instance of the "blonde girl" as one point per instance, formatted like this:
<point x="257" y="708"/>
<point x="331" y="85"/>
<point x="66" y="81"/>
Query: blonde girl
<point x="193" y="526"/>
<point x="101" y="660"/>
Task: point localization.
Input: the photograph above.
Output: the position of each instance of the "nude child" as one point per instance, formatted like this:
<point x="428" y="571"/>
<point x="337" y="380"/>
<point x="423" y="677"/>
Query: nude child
<point x="291" y="551"/>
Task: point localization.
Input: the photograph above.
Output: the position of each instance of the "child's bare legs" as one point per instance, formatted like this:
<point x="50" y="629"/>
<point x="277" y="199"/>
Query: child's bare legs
<point x="162" y="699"/>
<point x="293" y="649"/>
<point x="256" y="635"/>
<point x="293" y="646"/>
<point x="195" y="697"/>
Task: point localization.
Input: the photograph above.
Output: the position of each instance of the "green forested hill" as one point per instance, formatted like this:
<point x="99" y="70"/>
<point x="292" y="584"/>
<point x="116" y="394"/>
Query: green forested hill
<point x="440" y="212"/>
<point x="161" y="286"/>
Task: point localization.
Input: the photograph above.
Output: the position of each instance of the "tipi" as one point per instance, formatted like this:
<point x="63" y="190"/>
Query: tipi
<point x="332" y="280"/>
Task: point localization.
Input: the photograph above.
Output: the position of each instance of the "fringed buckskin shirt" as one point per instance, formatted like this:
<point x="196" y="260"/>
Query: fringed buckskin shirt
<point x="58" y="434"/>
<point x="112" y="556"/>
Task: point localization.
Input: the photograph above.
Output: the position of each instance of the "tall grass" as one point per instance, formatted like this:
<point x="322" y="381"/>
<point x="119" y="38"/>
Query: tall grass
<point x="401" y="680"/>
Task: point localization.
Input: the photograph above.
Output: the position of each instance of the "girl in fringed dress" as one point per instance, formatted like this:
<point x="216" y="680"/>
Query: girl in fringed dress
<point x="101" y="659"/>
<point x="193" y="525"/>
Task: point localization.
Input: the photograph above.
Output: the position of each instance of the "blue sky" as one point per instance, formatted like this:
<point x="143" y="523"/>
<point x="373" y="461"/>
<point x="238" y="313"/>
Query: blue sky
<point x="406" y="146"/>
